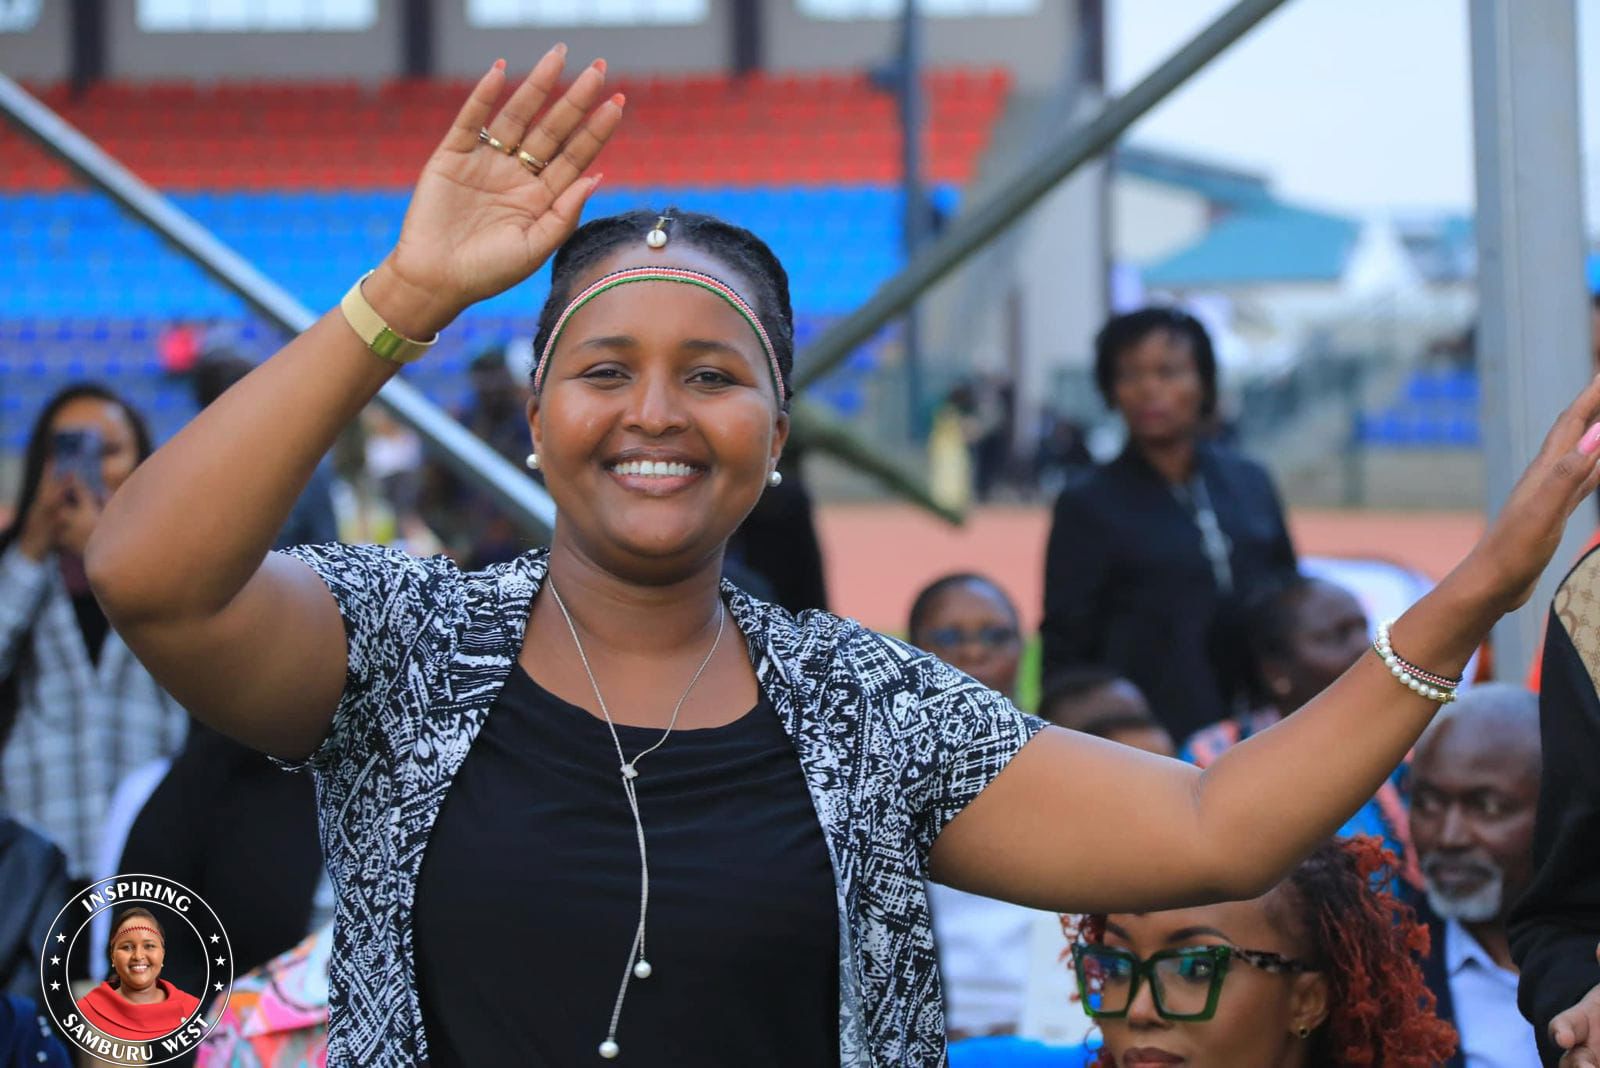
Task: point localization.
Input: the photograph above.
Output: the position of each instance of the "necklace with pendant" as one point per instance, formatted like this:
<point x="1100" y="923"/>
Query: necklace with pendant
<point x="638" y="966"/>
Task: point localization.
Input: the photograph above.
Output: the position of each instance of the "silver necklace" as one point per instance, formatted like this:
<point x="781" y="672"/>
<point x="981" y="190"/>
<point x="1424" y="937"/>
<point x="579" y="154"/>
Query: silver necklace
<point x="638" y="966"/>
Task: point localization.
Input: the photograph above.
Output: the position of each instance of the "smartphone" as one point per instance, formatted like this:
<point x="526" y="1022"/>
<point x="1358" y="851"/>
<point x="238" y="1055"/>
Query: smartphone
<point x="76" y="454"/>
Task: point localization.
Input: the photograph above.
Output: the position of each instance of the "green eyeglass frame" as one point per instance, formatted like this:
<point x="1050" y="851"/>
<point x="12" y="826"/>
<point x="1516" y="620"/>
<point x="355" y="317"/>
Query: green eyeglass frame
<point x="1140" y="970"/>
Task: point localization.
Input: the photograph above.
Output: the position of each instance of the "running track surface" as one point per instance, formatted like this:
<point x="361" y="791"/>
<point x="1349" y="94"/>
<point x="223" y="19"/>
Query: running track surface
<point x="879" y="555"/>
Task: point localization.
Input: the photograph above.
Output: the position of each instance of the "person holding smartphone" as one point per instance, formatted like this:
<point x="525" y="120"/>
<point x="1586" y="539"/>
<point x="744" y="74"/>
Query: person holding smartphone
<point x="77" y="709"/>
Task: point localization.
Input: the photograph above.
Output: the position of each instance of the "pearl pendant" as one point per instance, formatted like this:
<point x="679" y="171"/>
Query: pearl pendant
<point x="642" y="970"/>
<point x="609" y="1050"/>
<point x="656" y="238"/>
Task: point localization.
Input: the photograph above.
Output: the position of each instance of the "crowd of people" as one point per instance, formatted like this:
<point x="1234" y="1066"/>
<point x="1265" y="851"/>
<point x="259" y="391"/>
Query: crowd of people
<point x="1240" y="821"/>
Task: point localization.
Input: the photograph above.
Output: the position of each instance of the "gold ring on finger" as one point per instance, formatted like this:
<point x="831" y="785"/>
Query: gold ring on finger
<point x="530" y="161"/>
<point x="487" y="138"/>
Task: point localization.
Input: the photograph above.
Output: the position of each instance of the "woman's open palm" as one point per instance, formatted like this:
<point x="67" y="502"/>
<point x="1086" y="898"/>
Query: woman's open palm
<point x="483" y="219"/>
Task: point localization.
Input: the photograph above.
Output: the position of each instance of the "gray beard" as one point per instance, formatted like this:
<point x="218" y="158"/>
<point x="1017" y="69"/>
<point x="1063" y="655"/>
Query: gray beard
<point x="1480" y="906"/>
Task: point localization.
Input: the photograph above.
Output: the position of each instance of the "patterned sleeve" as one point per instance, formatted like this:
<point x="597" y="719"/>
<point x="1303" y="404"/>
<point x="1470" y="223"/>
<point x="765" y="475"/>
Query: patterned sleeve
<point x="970" y="734"/>
<point x="384" y="597"/>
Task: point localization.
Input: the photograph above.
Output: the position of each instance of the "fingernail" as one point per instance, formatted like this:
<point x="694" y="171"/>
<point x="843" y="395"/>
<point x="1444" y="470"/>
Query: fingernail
<point x="619" y="99"/>
<point x="560" y="48"/>
<point x="599" y="65"/>
<point x="499" y="64"/>
<point x="1590" y="441"/>
<point x="594" y="183"/>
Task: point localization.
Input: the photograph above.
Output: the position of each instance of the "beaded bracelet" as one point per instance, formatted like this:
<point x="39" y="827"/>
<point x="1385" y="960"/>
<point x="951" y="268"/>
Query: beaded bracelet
<point x="1440" y="688"/>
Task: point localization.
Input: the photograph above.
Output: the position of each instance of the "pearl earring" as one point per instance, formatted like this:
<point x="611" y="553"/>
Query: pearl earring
<point x="532" y="461"/>
<point x="775" y="479"/>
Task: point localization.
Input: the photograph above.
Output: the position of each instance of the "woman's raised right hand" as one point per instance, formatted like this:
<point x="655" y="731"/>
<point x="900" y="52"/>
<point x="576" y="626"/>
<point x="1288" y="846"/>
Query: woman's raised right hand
<point x="480" y="220"/>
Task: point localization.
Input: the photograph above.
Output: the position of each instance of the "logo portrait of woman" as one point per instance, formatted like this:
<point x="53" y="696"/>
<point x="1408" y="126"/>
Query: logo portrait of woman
<point x="135" y="1003"/>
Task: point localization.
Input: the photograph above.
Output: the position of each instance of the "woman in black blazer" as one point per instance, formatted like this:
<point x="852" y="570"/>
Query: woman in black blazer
<point x="1151" y="555"/>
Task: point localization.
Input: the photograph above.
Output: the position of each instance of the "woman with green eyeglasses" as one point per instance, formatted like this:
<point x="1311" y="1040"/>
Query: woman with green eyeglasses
<point x="1319" y="972"/>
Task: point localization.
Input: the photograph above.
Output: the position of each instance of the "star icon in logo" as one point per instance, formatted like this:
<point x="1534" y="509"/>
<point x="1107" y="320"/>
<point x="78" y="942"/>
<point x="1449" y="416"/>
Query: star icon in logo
<point x="219" y="988"/>
<point x="219" y="960"/>
<point x="55" y="986"/>
<point x="55" y="960"/>
<point x="61" y="938"/>
<point x="215" y="939"/>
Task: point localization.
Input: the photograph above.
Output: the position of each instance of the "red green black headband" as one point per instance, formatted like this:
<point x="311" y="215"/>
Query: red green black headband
<point x="664" y="274"/>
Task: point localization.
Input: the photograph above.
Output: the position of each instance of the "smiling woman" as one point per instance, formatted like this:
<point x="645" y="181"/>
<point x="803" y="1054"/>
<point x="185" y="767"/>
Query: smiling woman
<point x="714" y="819"/>
<point x="136" y="1004"/>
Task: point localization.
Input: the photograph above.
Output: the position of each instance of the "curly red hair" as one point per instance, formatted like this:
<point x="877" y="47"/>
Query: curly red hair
<point x="1368" y="943"/>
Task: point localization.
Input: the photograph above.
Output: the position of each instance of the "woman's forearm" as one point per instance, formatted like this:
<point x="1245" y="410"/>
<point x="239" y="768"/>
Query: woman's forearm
<point x="1331" y="756"/>
<point x="194" y="522"/>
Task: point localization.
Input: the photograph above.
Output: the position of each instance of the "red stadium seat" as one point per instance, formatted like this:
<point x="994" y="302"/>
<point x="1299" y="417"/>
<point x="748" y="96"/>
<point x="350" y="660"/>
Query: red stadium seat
<point x="772" y="128"/>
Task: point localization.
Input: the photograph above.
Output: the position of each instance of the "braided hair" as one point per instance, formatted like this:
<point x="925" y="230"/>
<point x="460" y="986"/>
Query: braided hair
<point x="1367" y="942"/>
<point x="733" y="245"/>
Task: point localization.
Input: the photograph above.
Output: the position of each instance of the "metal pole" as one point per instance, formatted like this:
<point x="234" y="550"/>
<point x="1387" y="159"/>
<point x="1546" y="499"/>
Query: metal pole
<point x="914" y="216"/>
<point x="464" y="453"/>
<point x="1533" y="333"/>
<point x="1058" y="161"/>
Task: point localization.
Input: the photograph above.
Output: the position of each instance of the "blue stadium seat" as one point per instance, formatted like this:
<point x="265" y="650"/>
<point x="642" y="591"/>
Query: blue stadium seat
<point x="110" y="308"/>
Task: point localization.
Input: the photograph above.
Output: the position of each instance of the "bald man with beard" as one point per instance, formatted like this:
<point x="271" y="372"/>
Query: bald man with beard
<point x="1475" y="790"/>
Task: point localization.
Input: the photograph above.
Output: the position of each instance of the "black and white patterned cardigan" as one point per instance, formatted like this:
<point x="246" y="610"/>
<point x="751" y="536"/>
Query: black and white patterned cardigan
<point x="893" y="744"/>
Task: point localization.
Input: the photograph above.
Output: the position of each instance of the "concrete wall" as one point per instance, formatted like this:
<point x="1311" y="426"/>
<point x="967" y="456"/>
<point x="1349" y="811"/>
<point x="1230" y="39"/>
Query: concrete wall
<point x="363" y="55"/>
<point x="1034" y="48"/>
<point x="466" y="51"/>
<point x="43" y="54"/>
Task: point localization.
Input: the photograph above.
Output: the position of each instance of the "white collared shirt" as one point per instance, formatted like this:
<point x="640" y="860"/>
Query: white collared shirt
<point x="1493" y="1032"/>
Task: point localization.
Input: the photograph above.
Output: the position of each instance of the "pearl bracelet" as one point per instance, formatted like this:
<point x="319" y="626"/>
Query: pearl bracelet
<point x="1440" y="688"/>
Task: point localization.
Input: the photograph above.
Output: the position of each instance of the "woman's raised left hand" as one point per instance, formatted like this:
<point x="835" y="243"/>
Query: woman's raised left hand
<point x="1525" y="535"/>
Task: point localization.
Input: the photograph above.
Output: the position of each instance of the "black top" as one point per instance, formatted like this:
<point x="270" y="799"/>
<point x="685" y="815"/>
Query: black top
<point x="529" y="896"/>
<point x="1128" y="583"/>
<point x="231" y="826"/>
<point x="1556" y="924"/>
<point x="92" y="622"/>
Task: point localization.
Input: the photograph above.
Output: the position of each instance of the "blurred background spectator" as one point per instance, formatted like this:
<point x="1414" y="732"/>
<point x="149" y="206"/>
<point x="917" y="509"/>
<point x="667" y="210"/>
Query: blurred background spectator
<point x="1151" y="555"/>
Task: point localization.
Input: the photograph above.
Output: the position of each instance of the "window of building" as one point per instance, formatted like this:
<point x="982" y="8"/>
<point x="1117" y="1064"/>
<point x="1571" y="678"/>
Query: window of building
<point x="19" y="16"/>
<point x="243" y="16"/>
<point x="500" y="13"/>
<point x="887" y="9"/>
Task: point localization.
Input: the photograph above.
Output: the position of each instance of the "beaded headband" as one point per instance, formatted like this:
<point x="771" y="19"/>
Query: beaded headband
<point x="664" y="274"/>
